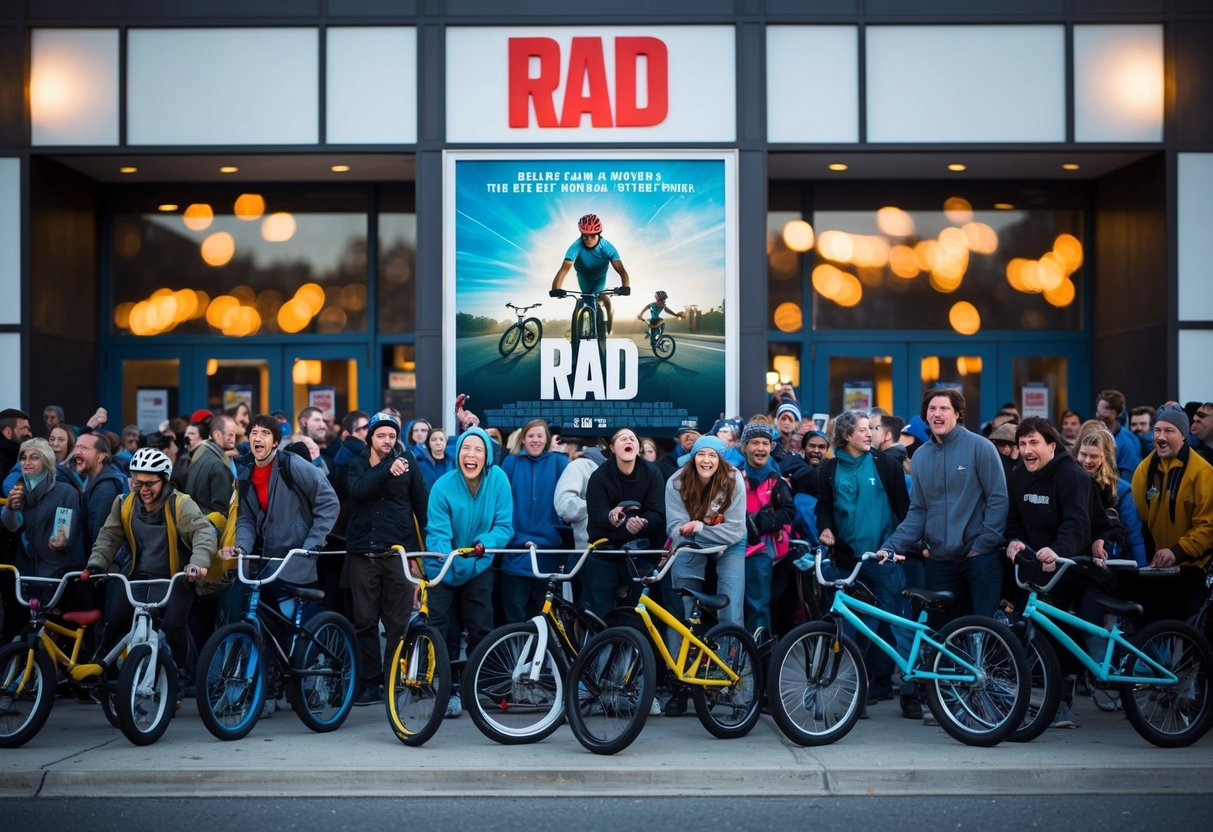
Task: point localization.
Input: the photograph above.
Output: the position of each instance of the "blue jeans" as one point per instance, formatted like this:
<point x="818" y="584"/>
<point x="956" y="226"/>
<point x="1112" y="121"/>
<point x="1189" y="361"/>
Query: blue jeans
<point x="886" y="581"/>
<point x="758" y="568"/>
<point x="689" y="569"/>
<point x="980" y="576"/>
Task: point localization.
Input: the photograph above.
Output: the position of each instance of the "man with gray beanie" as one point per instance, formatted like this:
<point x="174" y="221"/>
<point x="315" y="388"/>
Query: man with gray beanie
<point x="1173" y="490"/>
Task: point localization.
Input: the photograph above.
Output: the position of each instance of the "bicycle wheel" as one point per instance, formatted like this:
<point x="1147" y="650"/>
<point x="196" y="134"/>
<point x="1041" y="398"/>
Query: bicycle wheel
<point x="817" y="684"/>
<point x="583" y="329"/>
<point x="506" y="705"/>
<point x="147" y="695"/>
<point x="323" y="670"/>
<point x="532" y="332"/>
<point x="1170" y="716"/>
<point x="610" y="690"/>
<point x="1045" y="673"/>
<point x="231" y="681"/>
<point x="987" y="710"/>
<point x="419" y="685"/>
<point x="509" y="339"/>
<point x="664" y="347"/>
<point x="733" y="711"/>
<point x="25" y="698"/>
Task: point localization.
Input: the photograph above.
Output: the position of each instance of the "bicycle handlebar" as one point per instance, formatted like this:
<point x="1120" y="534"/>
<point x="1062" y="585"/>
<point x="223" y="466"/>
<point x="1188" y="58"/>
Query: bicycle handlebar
<point x="668" y="558"/>
<point x="448" y="558"/>
<point x="849" y="579"/>
<point x="127" y="584"/>
<point x="522" y="309"/>
<point x="568" y="293"/>
<point x="558" y="576"/>
<point x="25" y="602"/>
<point x="241" y="557"/>
<point x="1028" y="554"/>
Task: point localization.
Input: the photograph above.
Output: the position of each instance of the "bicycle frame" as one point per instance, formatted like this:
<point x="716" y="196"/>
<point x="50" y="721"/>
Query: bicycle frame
<point x="846" y="608"/>
<point x="423" y="608"/>
<point x="40" y="631"/>
<point x="646" y="607"/>
<point x="1045" y="615"/>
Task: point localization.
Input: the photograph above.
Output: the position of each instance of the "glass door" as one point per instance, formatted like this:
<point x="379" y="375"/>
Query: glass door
<point x="333" y="378"/>
<point x="858" y="376"/>
<point x="1046" y="378"/>
<point x="970" y="368"/>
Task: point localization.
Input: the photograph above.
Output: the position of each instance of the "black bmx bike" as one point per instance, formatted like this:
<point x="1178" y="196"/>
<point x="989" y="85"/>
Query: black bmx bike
<point x="525" y="331"/>
<point x="589" y="321"/>
<point x="663" y="345"/>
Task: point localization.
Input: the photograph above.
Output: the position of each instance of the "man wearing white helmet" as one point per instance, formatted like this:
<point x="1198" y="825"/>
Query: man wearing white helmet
<point x="165" y="533"/>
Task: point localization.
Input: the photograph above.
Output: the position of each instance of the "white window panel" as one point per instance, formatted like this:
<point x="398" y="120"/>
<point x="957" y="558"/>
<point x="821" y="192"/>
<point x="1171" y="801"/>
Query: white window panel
<point x="371" y="89"/>
<point x="10" y="368"/>
<point x="223" y="86"/>
<point x="1118" y="83"/>
<point x="1195" y="347"/>
<point x="1194" y="217"/>
<point x="966" y="83"/>
<point x="74" y="86"/>
<point x="813" y="84"/>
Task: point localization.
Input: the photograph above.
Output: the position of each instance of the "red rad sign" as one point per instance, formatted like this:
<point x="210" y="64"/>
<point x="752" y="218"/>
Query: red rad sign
<point x="569" y="84"/>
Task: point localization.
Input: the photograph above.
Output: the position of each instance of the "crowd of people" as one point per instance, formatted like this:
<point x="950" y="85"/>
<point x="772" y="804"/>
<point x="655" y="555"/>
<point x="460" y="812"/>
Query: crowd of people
<point x="956" y="506"/>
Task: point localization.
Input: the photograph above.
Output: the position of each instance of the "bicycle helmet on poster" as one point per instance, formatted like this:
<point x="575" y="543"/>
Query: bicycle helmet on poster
<point x="151" y="461"/>
<point x="589" y="224"/>
<point x="661" y="295"/>
<point x="379" y="419"/>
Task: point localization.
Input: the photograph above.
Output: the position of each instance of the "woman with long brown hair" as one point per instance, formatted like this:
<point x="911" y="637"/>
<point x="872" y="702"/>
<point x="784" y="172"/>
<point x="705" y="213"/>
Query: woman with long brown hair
<point x="1096" y="453"/>
<point x="705" y="503"/>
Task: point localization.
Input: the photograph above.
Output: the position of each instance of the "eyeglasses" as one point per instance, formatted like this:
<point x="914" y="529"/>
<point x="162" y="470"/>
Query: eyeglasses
<point x="144" y="485"/>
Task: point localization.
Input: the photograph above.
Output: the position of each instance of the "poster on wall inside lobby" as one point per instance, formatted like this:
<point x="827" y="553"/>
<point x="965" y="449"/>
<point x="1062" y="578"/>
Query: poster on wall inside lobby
<point x="652" y="362"/>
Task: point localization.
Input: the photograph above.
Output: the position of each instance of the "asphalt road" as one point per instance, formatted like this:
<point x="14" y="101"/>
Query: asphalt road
<point x="870" y="814"/>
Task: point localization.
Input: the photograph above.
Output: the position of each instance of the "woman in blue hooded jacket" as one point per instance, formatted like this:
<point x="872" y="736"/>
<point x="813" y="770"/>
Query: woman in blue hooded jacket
<point x="435" y="459"/>
<point x="470" y="506"/>
<point x="533" y="473"/>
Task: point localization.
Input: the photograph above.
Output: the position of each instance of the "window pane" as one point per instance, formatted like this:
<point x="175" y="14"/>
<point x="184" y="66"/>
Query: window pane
<point x="860" y="383"/>
<point x="239" y="263"/>
<point x="1047" y="370"/>
<point x="952" y="267"/>
<point x="397" y="263"/>
<point x="231" y="381"/>
<point x="400" y="384"/>
<point x="150" y="392"/>
<point x="784" y="269"/>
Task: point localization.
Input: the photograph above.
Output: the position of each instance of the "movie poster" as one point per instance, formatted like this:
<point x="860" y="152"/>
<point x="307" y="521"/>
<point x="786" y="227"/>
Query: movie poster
<point x="652" y="365"/>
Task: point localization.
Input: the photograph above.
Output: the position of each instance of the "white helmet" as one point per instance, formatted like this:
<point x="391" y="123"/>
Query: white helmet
<point x="151" y="461"/>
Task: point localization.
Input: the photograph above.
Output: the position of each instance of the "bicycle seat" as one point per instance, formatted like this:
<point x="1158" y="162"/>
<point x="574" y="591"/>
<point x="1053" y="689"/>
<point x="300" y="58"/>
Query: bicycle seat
<point x="82" y="617"/>
<point x="932" y="600"/>
<point x="708" y="602"/>
<point x="304" y="593"/>
<point x="1120" y="607"/>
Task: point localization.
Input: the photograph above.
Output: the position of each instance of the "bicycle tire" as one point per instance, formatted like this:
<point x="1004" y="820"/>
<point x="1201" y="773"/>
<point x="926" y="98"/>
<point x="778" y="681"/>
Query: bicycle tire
<point x="610" y="690"/>
<point x="22" y="714"/>
<point x="419" y="685"/>
<point x="532" y="333"/>
<point x="1044" y="670"/>
<point x="107" y="695"/>
<point x="498" y="693"/>
<point x="509" y="339"/>
<point x="231" y="681"/>
<point x="733" y="711"/>
<point x="664" y="347"/>
<point x="817" y="684"/>
<point x="323" y="672"/>
<point x="144" y="715"/>
<point x="582" y="329"/>
<point x="1171" y="716"/>
<point x="988" y="710"/>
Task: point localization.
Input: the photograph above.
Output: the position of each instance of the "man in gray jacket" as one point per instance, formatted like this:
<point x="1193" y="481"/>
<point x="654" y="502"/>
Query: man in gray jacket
<point x="212" y="472"/>
<point x="958" y="507"/>
<point x="285" y="503"/>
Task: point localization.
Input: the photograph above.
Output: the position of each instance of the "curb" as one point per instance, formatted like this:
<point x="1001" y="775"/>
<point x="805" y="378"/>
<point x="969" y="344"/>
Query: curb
<point x="813" y="781"/>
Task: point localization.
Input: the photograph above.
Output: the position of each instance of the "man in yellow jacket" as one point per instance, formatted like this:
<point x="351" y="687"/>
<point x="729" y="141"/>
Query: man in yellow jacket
<point x="1173" y="490"/>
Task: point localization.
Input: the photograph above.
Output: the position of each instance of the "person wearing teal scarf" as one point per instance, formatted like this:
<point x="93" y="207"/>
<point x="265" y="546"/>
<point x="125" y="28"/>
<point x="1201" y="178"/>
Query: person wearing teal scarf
<point x="46" y="512"/>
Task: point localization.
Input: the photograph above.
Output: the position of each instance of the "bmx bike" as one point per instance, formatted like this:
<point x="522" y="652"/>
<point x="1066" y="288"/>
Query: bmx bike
<point x="525" y="331"/>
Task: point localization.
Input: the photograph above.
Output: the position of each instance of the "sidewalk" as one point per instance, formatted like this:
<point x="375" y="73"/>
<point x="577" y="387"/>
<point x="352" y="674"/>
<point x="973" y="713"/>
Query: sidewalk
<point x="78" y="754"/>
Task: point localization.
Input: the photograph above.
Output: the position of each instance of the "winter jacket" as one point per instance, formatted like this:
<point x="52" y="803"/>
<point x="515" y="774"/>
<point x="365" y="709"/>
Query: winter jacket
<point x="608" y="487"/>
<point x="731" y="530"/>
<point x="98" y="498"/>
<point x="210" y="478"/>
<point x="300" y="512"/>
<point x="570" y="497"/>
<point x="1128" y="450"/>
<point x="533" y="485"/>
<point x="382" y="507"/>
<point x="892" y="480"/>
<point x="184" y="524"/>
<point x="959" y="501"/>
<point x="1054" y="507"/>
<point x="36" y="522"/>
<point x="432" y="469"/>
<point x="769" y="512"/>
<point x="1175" y="501"/>
<point x="347" y="450"/>
<point x="459" y="519"/>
